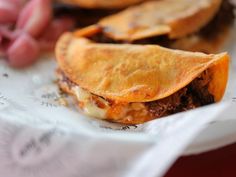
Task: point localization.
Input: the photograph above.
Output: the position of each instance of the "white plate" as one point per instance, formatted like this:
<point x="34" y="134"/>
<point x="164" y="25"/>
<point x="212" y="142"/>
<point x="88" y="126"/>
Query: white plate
<point x="34" y="88"/>
<point x="214" y="136"/>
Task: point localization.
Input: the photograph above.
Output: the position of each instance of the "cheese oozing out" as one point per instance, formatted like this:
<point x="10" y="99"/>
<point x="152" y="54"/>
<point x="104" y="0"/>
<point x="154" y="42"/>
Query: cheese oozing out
<point x="89" y="105"/>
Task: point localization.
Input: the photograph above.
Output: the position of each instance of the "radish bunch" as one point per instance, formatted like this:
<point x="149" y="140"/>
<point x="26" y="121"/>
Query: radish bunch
<point x="27" y="28"/>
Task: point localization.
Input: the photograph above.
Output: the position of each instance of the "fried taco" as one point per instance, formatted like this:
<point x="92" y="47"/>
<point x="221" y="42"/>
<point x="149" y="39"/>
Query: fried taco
<point x="131" y="83"/>
<point x="102" y="4"/>
<point x="88" y="12"/>
<point x="82" y="16"/>
<point x="196" y="25"/>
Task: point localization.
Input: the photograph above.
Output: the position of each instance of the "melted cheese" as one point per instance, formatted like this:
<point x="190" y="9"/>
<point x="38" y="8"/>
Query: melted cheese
<point x="89" y="106"/>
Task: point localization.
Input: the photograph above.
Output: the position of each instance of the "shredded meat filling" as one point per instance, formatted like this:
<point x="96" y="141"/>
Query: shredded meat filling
<point x="194" y="95"/>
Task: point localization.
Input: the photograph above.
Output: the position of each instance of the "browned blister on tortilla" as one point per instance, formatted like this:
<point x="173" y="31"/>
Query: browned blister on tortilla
<point x="175" y="18"/>
<point x="104" y="4"/>
<point x="136" y="73"/>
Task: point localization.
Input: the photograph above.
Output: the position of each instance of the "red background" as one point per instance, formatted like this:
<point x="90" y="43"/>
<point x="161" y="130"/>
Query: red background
<point x="217" y="163"/>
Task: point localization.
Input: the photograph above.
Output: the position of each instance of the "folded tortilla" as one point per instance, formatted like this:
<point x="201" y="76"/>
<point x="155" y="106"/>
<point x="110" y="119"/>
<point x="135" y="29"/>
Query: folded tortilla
<point x="208" y="39"/>
<point x="103" y="4"/>
<point x="175" y="18"/>
<point x="131" y="84"/>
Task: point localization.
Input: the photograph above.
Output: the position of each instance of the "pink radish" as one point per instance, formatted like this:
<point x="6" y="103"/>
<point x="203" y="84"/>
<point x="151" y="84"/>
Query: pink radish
<point x="35" y="17"/>
<point x="23" y="51"/>
<point x="8" y="12"/>
<point x="49" y="37"/>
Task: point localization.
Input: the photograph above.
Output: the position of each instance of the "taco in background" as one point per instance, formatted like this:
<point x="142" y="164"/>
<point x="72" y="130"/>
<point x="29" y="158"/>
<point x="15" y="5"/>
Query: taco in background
<point x="102" y="4"/>
<point x="196" y="25"/>
<point x="88" y="12"/>
<point x="82" y="16"/>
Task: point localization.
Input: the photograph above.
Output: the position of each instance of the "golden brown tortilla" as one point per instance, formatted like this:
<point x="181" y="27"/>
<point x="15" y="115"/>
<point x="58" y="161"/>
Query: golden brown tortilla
<point x="175" y="18"/>
<point x="104" y="4"/>
<point x="136" y="73"/>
